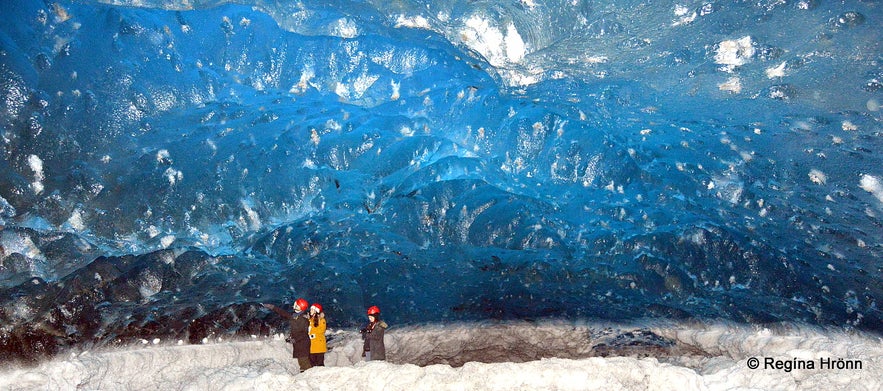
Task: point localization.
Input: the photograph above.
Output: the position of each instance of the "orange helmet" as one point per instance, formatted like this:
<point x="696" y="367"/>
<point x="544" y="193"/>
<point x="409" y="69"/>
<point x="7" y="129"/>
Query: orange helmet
<point x="373" y="310"/>
<point x="302" y="303"/>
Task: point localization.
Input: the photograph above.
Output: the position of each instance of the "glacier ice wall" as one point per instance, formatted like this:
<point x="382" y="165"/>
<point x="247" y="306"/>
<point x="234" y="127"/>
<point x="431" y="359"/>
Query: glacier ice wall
<point x="168" y="166"/>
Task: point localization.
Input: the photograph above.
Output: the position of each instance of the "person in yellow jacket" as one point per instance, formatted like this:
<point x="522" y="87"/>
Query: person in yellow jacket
<point x="318" y="344"/>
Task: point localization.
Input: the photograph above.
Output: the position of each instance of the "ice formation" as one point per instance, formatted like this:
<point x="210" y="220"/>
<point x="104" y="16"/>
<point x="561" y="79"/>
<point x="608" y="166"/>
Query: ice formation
<point x="166" y="167"/>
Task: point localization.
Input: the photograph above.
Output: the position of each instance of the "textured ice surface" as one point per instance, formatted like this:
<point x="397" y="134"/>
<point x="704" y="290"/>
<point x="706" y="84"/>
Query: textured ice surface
<point x="167" y="166"/>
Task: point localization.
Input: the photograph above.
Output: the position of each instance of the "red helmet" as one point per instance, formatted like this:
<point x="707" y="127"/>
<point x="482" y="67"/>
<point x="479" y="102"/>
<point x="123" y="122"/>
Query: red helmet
<point x="302" y="303"/>
<point x="373" y="310"/>
<point x="317" y="306"/>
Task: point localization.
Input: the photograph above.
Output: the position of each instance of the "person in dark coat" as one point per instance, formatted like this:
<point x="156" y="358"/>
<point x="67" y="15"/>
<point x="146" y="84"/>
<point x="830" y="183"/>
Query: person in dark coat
<point x="299" y="334"/>
<point x="372" y="333"/>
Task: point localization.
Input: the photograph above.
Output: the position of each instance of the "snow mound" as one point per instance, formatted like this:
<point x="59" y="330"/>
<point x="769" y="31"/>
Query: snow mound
<point x="491" y="356"/>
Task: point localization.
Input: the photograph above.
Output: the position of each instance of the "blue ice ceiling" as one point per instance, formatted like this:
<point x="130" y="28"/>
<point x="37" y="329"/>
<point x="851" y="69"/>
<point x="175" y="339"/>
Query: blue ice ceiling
<point x="457" y="160"/>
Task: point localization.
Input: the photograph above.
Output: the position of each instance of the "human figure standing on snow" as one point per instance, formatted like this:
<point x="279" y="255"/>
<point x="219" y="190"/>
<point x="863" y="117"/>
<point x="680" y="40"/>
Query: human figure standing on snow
<point x="318" y="345"/>
<point x="372" y="333"/>
<point x="299" y="334"/>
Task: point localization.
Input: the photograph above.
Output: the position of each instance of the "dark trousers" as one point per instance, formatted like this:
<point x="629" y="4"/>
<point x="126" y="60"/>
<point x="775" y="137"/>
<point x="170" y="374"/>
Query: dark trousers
<point x="317" y="359"/>
<point x="304" y="363"/>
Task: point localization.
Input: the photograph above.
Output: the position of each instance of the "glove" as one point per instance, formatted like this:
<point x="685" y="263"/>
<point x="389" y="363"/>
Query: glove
<point x="363" y="331"/>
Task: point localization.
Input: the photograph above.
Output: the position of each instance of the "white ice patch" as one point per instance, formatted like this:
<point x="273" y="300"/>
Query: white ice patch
<point x="681" y="10"/>
<point x="76" y="220"/>
<point x="358" y="87"/>
<point x="395" y="90"/>
<point x="521" y="78"/>
<point x="36" y="165"/>
<point x="515" y="48"/>
<point x="305" y="76"/>
<point x="684" y="15"/>
<point x="12" y="242"/>
<point x="173" y="176"/>
<point x="6" y="210"/>
<point x="163" y="156"/>
<point x="818" y="177"/>
<point x="412" y="22"/>
<point x="733" y="84"/>
<point x="167" y="241"/>
<point x="728" y="187"/>
<point x="497" y="48"/>
<point x="531" y="4"/>
<point x="734" y="53"/>
<point x="253" y="219"/>
<point x="402" y="62"/>
<point x="345" y="28"/>
<point x="777" y="71"/>
<point x="873" y="185"/>
<point x="406" y="131"/>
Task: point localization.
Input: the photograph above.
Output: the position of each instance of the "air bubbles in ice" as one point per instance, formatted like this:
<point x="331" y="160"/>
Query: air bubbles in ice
<point x="849" y="19"/>
<point x="782" y="92"/>
<point x="807" y="4"/>
<point x="678" y="57"/>
<point x="875" y="81"/>
<point x="173" y="176"/>
<point x="162" y="157"/>
<point x="684" y="15"/>
<point x="227" y="26"/>
<point x="42" y="62"/>
<point x="345" y="28"/>
<point x="151" y="284"/>
<point x="606" y="25"/>
<point x="6" y="210"/>
<point x="767" y="52"/>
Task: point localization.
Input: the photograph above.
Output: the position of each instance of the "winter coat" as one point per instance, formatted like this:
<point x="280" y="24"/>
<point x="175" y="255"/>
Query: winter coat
<point x="374" y="339"/>
<point x="317" y="335"/>
<point x="299" y="335"/>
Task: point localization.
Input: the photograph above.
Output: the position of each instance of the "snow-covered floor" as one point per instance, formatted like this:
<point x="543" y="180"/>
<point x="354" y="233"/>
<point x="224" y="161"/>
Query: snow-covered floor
<point x="491" y="356"/>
